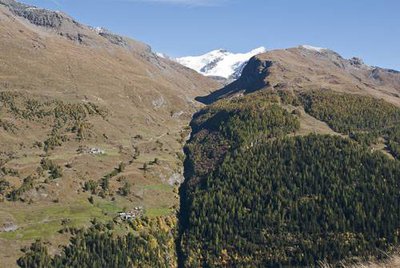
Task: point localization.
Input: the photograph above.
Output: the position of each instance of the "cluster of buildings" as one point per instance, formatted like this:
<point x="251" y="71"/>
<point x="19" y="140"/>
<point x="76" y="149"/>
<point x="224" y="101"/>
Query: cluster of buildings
<point x="136" y="212"/>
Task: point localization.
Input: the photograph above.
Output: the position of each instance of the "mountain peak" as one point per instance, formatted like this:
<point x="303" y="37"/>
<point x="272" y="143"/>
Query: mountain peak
<point x="220" y="62"/>
<point x="307" y="67"/>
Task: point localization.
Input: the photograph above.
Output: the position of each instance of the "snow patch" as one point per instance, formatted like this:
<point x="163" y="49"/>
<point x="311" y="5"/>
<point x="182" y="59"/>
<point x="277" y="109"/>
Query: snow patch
<point x="220" y="62"/>
<point x="161" y="55"/>
<point x="99" y="30"/>
<point x="318" y="49"/>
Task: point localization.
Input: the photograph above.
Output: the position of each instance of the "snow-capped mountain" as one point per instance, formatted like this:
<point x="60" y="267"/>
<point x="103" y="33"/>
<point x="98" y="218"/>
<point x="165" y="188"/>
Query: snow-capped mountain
<point x="220" y="63"/>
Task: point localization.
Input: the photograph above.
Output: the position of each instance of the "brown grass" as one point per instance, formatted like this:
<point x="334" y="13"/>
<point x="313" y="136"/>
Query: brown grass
<point x="141" y="93"/>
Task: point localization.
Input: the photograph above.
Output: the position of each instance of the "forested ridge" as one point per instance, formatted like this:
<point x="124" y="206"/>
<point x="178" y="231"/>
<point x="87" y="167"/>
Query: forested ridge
<point x="276" y="199"/>
<point x="350" y="112"/>
<point x="230" y="124"/>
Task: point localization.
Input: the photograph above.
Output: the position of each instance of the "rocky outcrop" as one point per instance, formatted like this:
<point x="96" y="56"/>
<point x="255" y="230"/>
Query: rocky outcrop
<point x="67" y="27"/>
<point x="252" y="78"/>
<point x="39" y="16"/>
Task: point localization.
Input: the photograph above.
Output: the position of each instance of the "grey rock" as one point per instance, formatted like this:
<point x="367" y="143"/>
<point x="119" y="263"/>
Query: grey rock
<point x="9" y="227"/>
<point x="38" y="16"/>
<point x="356" y="61"/>
<point x="69" y="28"/>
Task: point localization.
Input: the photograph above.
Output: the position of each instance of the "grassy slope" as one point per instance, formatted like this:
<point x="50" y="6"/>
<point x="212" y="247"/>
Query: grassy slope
<point x="140" y="92"/>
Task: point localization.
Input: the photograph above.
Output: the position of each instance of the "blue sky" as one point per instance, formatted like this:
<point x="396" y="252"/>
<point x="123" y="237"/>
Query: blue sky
<point x="369" y="29"/>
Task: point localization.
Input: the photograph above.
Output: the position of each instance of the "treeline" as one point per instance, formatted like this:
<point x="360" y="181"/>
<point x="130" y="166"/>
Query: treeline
<point x="102" y="187"/>
<point x="32" y="108"/>
<point x="47" y="169"/>
<point x="349" y="112"/>
<point x="65" y="117"/>
<point x="150" y="243"/>
<point x="364" y="118"/>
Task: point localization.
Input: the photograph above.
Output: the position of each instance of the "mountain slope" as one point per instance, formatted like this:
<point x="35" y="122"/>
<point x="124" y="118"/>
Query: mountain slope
<point x="294" y="164"/>
<point x="82" y="111"/>
<point x="308" y="68"/>
<point x="220" y="63"/>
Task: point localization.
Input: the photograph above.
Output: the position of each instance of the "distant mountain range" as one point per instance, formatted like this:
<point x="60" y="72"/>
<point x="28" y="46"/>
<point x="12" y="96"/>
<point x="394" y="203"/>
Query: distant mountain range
<point x="220" y="63"/>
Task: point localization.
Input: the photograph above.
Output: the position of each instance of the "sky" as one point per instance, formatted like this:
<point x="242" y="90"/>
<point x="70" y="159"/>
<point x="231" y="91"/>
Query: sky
<point x="368" y="29"/>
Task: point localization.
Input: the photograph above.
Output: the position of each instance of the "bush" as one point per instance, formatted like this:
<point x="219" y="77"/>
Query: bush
<point x="55" y="171"/>
<point x="125" y="189"/>
<point x="91" y="186"/>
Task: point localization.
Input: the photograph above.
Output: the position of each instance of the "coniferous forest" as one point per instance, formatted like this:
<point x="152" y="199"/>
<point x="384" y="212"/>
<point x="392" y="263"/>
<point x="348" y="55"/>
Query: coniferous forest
<point x="295" y="201"/>
<point x="276" y="198"/>
<point x="149" y="243"/>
